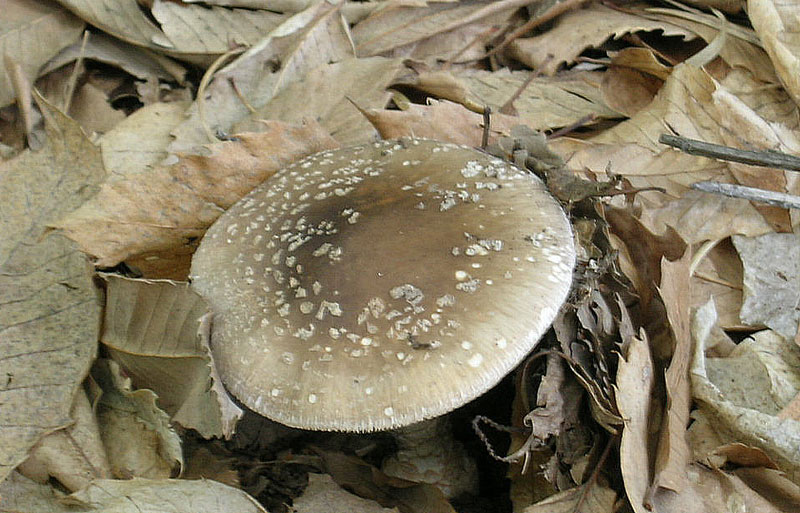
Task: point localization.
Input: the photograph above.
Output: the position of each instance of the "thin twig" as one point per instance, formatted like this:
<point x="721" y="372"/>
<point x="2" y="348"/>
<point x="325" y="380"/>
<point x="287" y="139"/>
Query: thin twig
<point x="776" y="199"/>
<point x="754" y="158"/>
<point x="76" y="70"/>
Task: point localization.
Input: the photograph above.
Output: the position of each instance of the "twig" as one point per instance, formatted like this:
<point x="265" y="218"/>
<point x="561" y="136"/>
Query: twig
<point x="753" y="158"/>
<point x="776" y="199"/>
<point x="76" y="70"/>
<point x="487" y="125"/>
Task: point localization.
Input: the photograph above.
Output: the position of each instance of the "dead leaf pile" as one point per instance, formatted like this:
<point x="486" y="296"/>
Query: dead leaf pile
<point x="670" y="380"/>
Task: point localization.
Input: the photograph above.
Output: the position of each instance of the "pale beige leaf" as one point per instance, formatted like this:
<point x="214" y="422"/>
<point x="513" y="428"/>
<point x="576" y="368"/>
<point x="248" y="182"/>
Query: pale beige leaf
<point x="160" y="213"/>
<point x="49" y="309"/>
<point x="305" y="41"/>
<point x="151" y="329"/>
<point x="580" y="29"/>
<point x="185" y="30"/>
<point x="592" y="498"/>
<point x="735" y="392"/>
<point x="673" y="453"/>
<point x="719" y="277"/>
<point x="91" y="108"/>
<point x="139" y="142"/>
<point x="771" y="285"/>
<point x="31" y="32"/>
<point x="323" y="495"/>
<point x="337" y="87"/>
<point x="103" y="48"/>
<point x="197" y="29"/>
<point x="399" y="25"/>
<point x="137" y="435"/>
<point x="74" y="455"/>
<point x="157" y="496"/>
<point x="543" y="104"/>
<point x="778" y="27"/>
<point x="19" y="493"/>
<point x="633" y="389"/>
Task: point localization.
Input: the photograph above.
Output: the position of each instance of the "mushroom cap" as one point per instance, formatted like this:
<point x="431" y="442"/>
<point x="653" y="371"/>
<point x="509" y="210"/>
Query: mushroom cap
<point x="375" y="286"/>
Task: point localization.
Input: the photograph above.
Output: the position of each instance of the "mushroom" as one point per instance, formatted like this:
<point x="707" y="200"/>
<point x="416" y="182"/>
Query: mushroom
<point x="376" y="286"/>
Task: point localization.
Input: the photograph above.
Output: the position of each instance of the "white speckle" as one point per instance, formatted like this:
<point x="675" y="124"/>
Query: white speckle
<point x="283" y="310"/>
<point x="312" y="398"/>
<point x="507" y="275"/>
<point x="334" y="333"/>
<point x="461" y="275"/>
<point x="476" y="265"/>
<point x="365" y="341"/>
<point x="401" y="355"/>
<point x="300" y="292"/>
<point x="353" y="219"/>
<point x="330" y="307"/>
<point x="368" y="390"/>
<point x="258" y="257"/>
<point x="287" y="358"/>
<point x="388" y="411"/>
<point x="316" y="287"/>
<point x="501" y="343"/>
<point x="446" y="300"/>
<point x="530" y="259"/>
<point x="466" y="344"/>
<point x="469" y="286"/>
<point x="475" y="360"/>
<point x="410" y="293"/>
<point x="447" y="204"/>
<point x="420" y="206"/>
<point x="475" y="250"/>
<point x="489" y="282"/>
<point x="306" y="307"/>
<point x="322" y="250"/>
<point x="275" y="392"/>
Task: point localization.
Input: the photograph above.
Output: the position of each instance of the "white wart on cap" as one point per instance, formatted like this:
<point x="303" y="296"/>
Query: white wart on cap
<point x="375" y="286"/>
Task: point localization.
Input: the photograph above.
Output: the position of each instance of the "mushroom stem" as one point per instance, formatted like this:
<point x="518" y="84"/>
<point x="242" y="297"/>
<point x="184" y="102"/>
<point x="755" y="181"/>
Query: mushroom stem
<point x="428" y="453"/>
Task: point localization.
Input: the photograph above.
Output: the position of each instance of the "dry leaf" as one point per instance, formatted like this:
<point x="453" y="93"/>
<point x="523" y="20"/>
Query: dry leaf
<point x="137" y="435"/>
<point x="305" y="41"/>
<point x="592" y="498"/>
<point x="580" y="29"/>
<point x="323" y="495"/>
<point x="160" y="214"/>
<point x="337" y="87"/>
<point x="633" y="389"/>
<point x="156" y="496"/>
<point x="771" y="285"/>
<point x="151" y="330"/>
<point x="33" y="31"/>
<point x="440" y="120"/>
<point x="399" y="25"/>
<point x="49" y="312"/>
<point x="776" y="26"/>
<point x="544" y="103"/>
<point x="74" y="456"/>
<point x="739" y="396"/>
<point x="185" y="30"/>
<point x="719" y="277"/>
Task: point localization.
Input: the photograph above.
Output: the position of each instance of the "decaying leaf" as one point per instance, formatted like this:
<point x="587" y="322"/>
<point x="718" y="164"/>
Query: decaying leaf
<point x="323" y="493"/>
<point x="49" y="312"/>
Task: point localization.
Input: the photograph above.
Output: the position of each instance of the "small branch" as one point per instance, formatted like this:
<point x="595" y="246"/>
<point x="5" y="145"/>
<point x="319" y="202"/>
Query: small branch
<point x="753" y="158"/>
<point x="776" y="199"/>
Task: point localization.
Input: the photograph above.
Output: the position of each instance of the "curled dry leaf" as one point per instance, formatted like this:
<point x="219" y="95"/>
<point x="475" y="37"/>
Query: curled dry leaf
<point x="744" y="391"/>
<point x="49" y="311"/>
<point x="32" y="32"/>
<point x="151" y="330"/>
<point x="137" y="435"/>
<point x="323" y="492"/>
<point x="580" y="29"/>
<point x="776" y="26"/>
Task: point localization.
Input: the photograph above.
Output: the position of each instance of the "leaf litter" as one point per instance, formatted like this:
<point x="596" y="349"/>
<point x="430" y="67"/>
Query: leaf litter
<point x="669" y="381"/>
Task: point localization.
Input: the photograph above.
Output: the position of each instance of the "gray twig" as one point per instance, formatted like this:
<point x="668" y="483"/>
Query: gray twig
<point x="777" y="199"/>
<point x="766" y="158"/>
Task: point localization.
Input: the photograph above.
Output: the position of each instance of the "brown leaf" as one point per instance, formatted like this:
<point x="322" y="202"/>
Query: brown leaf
<point x="775" y="24"/>
<point x="169" y="207"/>
<point x="440" y="120"/>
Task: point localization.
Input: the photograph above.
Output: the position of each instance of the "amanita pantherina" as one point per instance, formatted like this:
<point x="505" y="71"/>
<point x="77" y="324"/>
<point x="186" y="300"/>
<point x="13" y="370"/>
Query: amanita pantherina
<point x="377" y="286"/>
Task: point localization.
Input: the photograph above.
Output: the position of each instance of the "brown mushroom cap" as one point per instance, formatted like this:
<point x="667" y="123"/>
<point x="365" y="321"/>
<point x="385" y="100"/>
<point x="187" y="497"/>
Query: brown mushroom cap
<point x="375" y="286"/>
